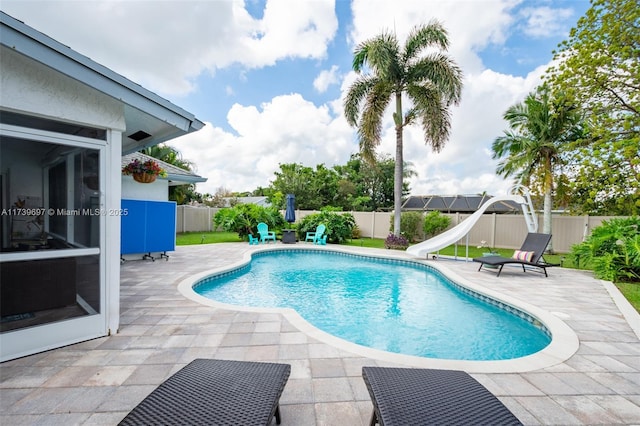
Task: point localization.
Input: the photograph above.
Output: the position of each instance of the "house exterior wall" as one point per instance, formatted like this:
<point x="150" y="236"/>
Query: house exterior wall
<point x="155" y="191"/>
<point x="33" y="88"/>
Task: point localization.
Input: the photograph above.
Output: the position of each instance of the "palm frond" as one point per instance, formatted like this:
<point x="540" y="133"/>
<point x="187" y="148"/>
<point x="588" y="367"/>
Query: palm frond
<point x="355" y="96"/>
<point x="423" y="36"/>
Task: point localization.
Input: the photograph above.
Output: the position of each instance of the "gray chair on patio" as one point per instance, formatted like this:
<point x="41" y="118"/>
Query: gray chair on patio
<point x="415" y="396"/>
<point x="215" y="392"/>
<point x="530" y="254"/>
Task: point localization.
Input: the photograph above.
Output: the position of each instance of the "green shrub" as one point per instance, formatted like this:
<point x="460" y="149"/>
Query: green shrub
<point x="435" y="223"/>
<point x="244" y="219"/>
<point x="612" y="250"/>
<point x="339" y="225"/>
<point x="410" y="224"/>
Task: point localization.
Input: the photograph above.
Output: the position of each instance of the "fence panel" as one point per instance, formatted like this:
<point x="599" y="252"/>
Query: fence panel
<point x="498" y="230"/>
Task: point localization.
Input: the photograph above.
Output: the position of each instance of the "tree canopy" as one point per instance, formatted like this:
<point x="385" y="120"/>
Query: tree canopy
<point x="419" y="70"/>
<point x="598" y="67"/>
<point x="540" y="129"/>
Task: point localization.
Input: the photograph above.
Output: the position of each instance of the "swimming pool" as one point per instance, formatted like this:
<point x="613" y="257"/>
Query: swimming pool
<point x="391" y="305"/>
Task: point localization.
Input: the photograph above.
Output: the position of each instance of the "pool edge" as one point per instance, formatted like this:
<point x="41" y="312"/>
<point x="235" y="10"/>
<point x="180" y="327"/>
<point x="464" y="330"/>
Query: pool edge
<point x="564" y="341"/>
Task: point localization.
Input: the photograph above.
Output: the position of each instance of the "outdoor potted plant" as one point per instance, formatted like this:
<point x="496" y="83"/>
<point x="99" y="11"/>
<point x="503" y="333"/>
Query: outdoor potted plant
<point x="144" y="172"/>
<point x="396" y="242"/>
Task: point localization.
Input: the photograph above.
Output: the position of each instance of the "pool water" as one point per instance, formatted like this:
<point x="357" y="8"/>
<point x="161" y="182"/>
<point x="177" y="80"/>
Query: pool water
<point x="392" y="305"/>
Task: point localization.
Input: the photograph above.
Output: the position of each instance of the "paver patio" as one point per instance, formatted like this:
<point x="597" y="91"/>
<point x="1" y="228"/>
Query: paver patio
<point x="98" y="382"/>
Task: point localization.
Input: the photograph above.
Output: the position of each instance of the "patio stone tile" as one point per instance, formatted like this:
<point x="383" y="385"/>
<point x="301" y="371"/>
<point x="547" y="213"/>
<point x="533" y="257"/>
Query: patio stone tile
<point x="584" y="363"/>
<point x="131" y="357"/>
<point x="268" y="327"/>
<point x="327" y="367"/>
<point x="617" y="382"/>
<point x="550" y="384"/>
<point x="353" y="366"/>
<point x="632" y="377"/>
<point x="208" y="340"/>
<point x="165" y="356"/>
<point x="40" y="401"/>
<point x="584" y="383"/>
<point x="366" y="409"/>
<point x="147" y="342"/>
<point x="604" y="348"/>
<point x="71" y="376"/>
<point x="300" y="368"/>
<point x="519" y="411"/>
<point x="105" y="419"/>
<point x="161" y="331"/>
<point x="62" y="358"/>
<point x="125" y="398"/>
<point x="337" y="413"/>
<point x="333" y="389"/>
<point x="587" y="410"/>
<point x="624" y="408"/>
<point x="9" y="397"/>
<point x="134" y="330"/>
<point x="261" y="339"/>
<point x="297" y="414"/>
<point x="266" y="353"/>
<point x="149" y="374"/>
<point x="236" y="339"/>
<point x="110" y="376"/>
<point x="359" y="389"/>
<point x="509" y="384"/>
<point x="190" y="354"/>
<point x="320" y="350"/>
<point x="178" y="341"/>
<point x="26" y="377"/>
<point x="231" y="352"/>
<point x="547" y="411"/>
<point x="609" y="363"/>
<point x="293" y="337"/>
<point x="84" y="400"/>
<point x="297" y="391"/>
<point x="287" y="352"/>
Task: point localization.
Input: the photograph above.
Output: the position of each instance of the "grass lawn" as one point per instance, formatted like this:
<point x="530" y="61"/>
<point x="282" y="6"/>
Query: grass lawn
<point x="191" y="238"/>
<point x="632" y="292"/>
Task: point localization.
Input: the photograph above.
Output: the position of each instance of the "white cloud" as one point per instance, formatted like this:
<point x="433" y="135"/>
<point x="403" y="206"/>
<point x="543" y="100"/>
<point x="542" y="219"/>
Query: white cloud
<point x="165" y="45"/>
<point x="326" y="78"/>
<point x="289" y="129"/>
<point x="545" y="21"/>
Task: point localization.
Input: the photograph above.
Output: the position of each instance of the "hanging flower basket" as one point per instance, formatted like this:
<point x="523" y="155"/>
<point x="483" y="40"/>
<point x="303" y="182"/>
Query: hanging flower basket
<point x="144" y="177"/>
<point x="146" y="172"/>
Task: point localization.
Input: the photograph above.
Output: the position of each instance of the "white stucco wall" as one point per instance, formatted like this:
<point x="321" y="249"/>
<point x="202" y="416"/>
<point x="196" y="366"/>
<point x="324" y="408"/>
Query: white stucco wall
<point x="34" y="88"/>
<point x="154" y="191"/>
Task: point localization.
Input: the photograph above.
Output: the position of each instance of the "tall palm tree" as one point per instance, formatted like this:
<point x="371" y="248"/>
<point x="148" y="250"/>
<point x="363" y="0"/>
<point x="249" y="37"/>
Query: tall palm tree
<point x="421" y="71"/>
<point x="540" y="129"/>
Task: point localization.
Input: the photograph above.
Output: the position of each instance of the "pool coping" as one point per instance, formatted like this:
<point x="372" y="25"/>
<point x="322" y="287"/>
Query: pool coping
<point x="564" y="341"/>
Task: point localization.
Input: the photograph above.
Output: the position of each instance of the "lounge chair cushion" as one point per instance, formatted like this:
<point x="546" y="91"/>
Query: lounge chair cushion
<point x="523" y="255"/>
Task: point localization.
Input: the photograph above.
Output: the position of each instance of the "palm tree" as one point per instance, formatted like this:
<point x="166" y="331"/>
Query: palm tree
<point x="540" y="129"/>
<point x="421" y="71"/>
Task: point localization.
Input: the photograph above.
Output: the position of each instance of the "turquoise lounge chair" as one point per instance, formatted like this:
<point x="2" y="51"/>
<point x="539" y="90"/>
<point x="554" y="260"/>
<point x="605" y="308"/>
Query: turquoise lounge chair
<point x="253" y="240"/>
<point x="265" y="234"/>
<point x="318" y="236"/>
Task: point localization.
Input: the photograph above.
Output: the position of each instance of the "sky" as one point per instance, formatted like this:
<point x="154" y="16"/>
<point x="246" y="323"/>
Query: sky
<point x="268" y="77"/>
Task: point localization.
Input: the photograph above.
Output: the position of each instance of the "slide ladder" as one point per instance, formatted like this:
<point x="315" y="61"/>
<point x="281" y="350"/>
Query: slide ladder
<point x="519" y="194"/>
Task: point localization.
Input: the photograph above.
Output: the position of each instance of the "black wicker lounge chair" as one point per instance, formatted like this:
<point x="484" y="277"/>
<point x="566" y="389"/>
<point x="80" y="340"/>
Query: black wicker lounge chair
<point x="215" y="392"/>
<point x="413" y="396"/>
<point x="530" y="254"/>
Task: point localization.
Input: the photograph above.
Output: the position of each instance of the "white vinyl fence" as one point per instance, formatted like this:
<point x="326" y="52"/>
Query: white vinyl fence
<point x="498" y="230"/>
